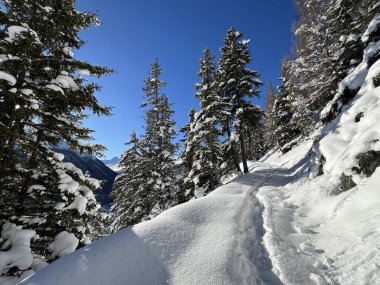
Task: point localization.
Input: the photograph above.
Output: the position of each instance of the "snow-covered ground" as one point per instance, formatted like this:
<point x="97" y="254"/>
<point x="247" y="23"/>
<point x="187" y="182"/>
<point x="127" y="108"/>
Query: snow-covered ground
<point x="278" y="224"/>
<point x="213" y="240"/>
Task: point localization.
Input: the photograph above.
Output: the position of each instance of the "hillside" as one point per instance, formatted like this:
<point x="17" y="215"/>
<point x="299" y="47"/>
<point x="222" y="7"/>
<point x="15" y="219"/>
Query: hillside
<point x="258" y="165"/>
<point x="276" y="225"/>
<point x="309" y="216"/>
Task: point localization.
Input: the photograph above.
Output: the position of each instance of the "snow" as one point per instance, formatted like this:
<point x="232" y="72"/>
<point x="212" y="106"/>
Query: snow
<point x="6" y="76"/>
<point x="313" y="232"/>
<point x="79" y="204"/>
<point x="349" y="138"/>
<point x="278" y="224"/>
<point x="213" y="238"/>
<point x="372" y="27"/>
<point x="63" y="244"/>
<point x="19" y="255"/>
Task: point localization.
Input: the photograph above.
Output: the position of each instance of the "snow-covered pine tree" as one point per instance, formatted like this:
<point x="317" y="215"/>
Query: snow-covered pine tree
<point x="352" y="43"/>
<point x="283" y="113"/>
<point x="148" y="184"/>
<point x="157" y="143"/>
<point x="236" y="83"/>
<point x="188" y="156"/>
<point x="328" y="45"/>
<point x="203" y="145"/>
<point x="130" y="203"/>
<point x="269" y="138"/>
<point x="188" y="153"/>
<point x="43" y="98"/>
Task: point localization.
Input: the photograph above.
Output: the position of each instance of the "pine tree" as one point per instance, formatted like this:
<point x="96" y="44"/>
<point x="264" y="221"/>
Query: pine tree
<point x="202" y="144"/>
<point x="128" y="191"/>
<point x="236" y="83"/>
<point x="269" y="138"/>
<point x="283" y="113"/>
<point x="157" y="142"/>
<point x="148" y="183"/>
<point x="43" y="98"/>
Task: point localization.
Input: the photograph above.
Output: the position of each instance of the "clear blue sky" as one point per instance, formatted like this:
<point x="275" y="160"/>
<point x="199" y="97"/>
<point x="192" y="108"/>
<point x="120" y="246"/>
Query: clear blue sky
<point x="134" y="32"/>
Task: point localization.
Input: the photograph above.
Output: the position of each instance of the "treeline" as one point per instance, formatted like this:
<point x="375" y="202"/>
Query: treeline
<point x="221" y="136"/>
<point x="43" y="96"/>
<point x="328" y="45"/>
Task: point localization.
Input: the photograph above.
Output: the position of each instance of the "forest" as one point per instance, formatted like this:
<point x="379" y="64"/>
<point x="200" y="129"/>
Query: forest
<point x="301" y="170"/>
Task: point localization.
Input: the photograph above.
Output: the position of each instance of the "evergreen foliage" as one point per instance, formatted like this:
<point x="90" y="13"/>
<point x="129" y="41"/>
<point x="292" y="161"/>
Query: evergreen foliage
<point x="202" y="155"/>
<point x="236" y="84"/>
<point x="148" y="184"/>
<point x="269" y="138"/>
<point x="43" y="98"/>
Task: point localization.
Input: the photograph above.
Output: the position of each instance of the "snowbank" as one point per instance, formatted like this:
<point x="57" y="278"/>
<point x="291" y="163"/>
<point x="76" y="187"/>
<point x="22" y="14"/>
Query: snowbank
<point x="211" y="240"/>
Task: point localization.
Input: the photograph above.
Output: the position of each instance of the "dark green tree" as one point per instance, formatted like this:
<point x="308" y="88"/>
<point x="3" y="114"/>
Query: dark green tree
<point x="203" y="144"/>
<point x="148" y="184"/>
<point x="42" y="102"/>
<point x="268" y="134"/>
<point x="236" y="84"/>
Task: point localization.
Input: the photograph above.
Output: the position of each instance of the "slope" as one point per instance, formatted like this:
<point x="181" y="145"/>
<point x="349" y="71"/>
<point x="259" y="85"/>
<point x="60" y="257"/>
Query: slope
<point x="213" y="240"/>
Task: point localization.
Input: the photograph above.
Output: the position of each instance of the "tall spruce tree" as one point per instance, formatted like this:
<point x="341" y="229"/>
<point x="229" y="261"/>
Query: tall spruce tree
<point x="203" y="145"/>
<point x="157" y="142"/>
<point x="43" y="98"/>
<point x="148" y="184"/>
<point x="235" y="85"/>
<point x="268" y="134"/>
<point x="129" y="194"/>
<point x="283" y="113"/>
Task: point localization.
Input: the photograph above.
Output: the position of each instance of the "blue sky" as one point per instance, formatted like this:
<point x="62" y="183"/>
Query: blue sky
<point x="134" y="32"/>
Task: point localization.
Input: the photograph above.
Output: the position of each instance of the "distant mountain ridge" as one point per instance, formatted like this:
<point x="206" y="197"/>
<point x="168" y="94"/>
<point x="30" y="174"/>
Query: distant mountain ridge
<point x="113" y="164"/>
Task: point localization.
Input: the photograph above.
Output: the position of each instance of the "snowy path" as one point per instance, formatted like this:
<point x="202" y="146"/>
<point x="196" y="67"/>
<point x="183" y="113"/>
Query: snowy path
<point x="213" y="240"/>
<point x="271" y="226"/>
<point x="290" y="244"/>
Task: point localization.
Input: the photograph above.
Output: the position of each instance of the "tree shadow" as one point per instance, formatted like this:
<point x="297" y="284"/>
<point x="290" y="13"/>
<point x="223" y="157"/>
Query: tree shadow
<point x="120" y="259"/>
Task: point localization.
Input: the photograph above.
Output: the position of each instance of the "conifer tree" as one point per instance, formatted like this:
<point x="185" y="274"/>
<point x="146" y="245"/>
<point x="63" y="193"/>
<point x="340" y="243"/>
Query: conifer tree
<point x="235" y="85"/>
<point x="128" y="191"/>
<point x="157" y="141"/>
<point x="269" y="138"/>
<point x="43" y="98"/>
<point x="148" y="183"/>
<point x="203" y="136"/>
<point x="283" y="113"/>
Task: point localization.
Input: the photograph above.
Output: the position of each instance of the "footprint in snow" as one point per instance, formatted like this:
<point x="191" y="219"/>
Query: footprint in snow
<point x="304" y="230"/>
<point x="289" y="206"/>
<point x="308" y="248"/>
<point x="325" y="264"/>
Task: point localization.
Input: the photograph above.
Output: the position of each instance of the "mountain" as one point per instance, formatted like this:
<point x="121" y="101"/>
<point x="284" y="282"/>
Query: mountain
<point x="113" y="163"/>
<point x="96" y="168"/>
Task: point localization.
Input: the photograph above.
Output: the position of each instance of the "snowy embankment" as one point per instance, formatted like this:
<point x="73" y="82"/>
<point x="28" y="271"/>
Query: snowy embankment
<point x="314" y="233"/>
<point x="279" y="224"/>
<point x="213" y="240"/>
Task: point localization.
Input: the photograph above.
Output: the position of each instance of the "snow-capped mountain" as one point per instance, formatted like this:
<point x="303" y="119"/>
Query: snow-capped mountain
<point x="113" y="163"/>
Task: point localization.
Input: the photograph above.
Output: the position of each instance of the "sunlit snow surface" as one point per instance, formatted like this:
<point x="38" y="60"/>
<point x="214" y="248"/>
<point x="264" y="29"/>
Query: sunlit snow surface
<point x="276" y="225"/>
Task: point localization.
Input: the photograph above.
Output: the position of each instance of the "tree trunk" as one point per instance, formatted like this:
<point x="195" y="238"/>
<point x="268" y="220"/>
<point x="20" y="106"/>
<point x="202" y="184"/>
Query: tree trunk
<point x="233" y="149"/>
<point x="243" y="154"/>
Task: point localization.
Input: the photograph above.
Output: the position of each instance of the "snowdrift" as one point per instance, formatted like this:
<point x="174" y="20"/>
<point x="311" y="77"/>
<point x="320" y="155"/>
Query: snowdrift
<point x="211" y="240"/>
